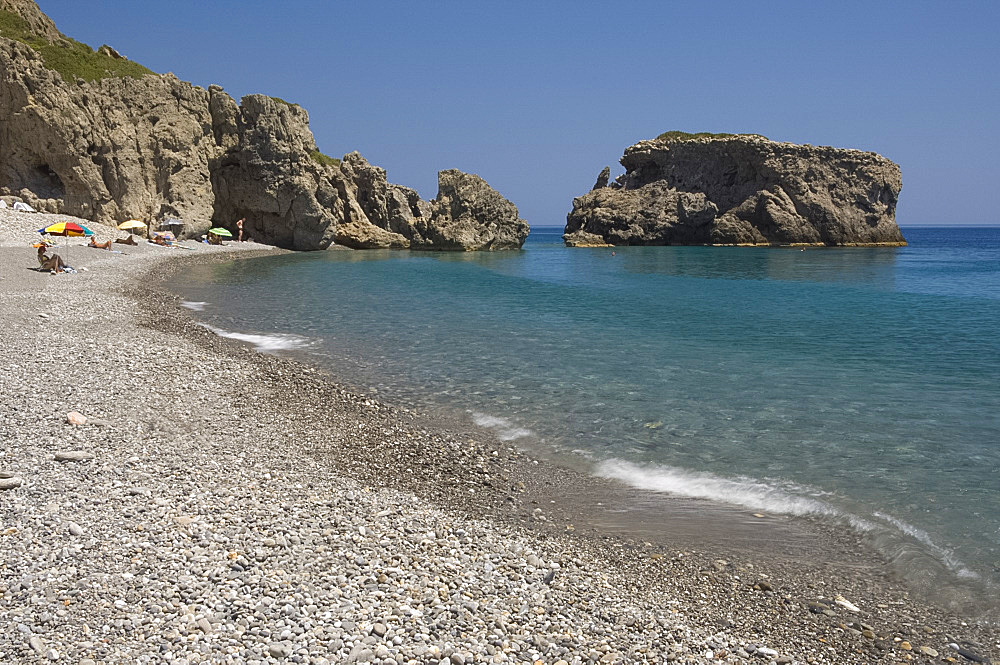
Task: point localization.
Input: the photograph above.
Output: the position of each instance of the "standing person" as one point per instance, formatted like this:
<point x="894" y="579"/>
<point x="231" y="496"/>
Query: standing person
<point x="239" y="229"/>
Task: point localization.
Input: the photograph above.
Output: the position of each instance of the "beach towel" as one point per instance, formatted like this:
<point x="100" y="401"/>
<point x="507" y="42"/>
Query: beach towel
<point x="23" y="207"/>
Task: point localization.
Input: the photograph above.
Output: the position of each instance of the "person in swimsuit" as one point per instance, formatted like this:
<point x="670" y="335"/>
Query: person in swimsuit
<point x="52" y="263"/>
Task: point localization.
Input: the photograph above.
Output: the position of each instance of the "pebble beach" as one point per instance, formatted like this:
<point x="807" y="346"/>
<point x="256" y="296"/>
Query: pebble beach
<point x="219" y="505"/>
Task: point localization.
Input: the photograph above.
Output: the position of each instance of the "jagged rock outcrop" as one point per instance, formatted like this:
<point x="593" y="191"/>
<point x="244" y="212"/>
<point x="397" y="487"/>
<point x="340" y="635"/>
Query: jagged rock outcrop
<point x="467" y="213"/>
<point x="131" y="144"/>
<point x="379" y="215"/>
<point x="264" y="173"/>
<point x="740" y="190"/>
<point x="602" y="178"/>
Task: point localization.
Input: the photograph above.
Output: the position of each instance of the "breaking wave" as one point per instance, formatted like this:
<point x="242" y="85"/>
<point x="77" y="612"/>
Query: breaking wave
<point x="271" y="343"/>
<point x="786" y="499"/>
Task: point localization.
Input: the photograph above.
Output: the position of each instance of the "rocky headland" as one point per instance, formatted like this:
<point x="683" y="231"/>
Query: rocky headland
<point x="95" y="135"/>
<point x="703" y="189"/>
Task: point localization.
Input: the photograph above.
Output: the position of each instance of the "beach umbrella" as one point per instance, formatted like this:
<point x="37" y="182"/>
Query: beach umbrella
<point x="132" y="225"/>
<point x="172" y="224"/>
<point x="219" y="231"/>
<point x="67" y="229"/>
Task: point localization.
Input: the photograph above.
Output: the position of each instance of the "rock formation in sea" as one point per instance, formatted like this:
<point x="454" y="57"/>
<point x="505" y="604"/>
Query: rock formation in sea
<point x="467" y="213"/>
<point x="95" y="135"/>
<point x="681" y="189"/>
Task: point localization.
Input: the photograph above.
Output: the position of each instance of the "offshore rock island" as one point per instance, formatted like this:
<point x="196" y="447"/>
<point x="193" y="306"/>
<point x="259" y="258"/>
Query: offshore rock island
<point x="97" y="136"/>
<point x="724" y="189"/>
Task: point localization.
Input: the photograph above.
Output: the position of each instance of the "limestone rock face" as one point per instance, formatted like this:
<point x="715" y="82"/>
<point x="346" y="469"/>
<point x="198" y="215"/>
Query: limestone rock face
<point x="109" y="150"/>
<point x="39" y="23"/>
<point x="378" y="214"/>
<point x="155" y="147"/>
<point x="584" y="239"/>
<point x="467" y="214"/>
<point x="267" y="175"/>
<point x="741" y="190"/>
<point x="602" y="178"/>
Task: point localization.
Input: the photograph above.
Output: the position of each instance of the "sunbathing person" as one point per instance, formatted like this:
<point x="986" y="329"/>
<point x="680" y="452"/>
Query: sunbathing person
<point x="52" y="263"/>
<point x="99" y="245"/>
<point x="130" y="240"/>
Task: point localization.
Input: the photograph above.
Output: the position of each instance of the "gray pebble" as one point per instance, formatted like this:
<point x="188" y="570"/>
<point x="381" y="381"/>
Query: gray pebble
<point x="10" y="483"/>
<point x="73" y="456"/>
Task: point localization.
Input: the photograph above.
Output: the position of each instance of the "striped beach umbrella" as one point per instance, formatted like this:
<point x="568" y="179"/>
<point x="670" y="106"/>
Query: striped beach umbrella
<point x="67" y="229"/>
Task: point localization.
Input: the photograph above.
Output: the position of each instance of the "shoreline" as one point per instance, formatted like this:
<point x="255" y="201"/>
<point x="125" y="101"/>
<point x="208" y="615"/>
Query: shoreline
<point x="333" y="484"/>
<point x="603" y="509"/>
<point x="586" y="497"/>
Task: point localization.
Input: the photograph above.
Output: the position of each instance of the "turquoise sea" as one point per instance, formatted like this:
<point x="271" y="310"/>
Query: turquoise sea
<point x="860" y="386"/>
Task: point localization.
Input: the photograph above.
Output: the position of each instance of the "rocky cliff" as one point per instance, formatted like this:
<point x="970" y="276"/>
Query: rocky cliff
<point x="467" y="213"/>
<point x="740" y="190"/>
<point x="97" y="136"/>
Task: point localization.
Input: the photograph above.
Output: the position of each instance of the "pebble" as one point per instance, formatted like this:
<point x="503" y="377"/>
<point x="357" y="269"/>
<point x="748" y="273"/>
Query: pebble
<point x="846" y="604"/>
<point x="73" y="456"/>
<point x="76" y="418"/>
<point x="10" y="483"/>
<point x="277" y="650"/>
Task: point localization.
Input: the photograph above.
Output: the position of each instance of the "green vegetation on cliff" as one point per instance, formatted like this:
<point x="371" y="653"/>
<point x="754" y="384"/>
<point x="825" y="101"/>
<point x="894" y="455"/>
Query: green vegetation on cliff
<point x="282" y="101"/>
<point x="70" y="58"/>
<point x="676" y="135"/>
<point x="324" y="160"/>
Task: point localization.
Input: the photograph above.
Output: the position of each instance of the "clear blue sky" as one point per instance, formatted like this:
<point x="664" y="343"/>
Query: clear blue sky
<point x="537" y="97"/>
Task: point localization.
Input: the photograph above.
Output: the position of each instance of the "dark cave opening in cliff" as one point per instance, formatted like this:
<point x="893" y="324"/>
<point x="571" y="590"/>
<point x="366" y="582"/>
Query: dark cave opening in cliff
<point x="43" y="182"/>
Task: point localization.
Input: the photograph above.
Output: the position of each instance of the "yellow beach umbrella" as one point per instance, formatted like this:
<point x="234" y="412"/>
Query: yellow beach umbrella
<point x="131" y="224"/>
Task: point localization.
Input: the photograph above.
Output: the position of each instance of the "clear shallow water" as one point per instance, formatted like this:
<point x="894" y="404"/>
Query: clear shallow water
<point x="861" y="385"/>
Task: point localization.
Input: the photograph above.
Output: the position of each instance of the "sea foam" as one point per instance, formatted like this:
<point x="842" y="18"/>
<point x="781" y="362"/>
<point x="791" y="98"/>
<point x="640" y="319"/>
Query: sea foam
<point x="271" y="343"/>
<point x="745" y="492"/>
<point x="195" y="305"/>
<point x="786" y="499"/>
<point x="505" y="429"/>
